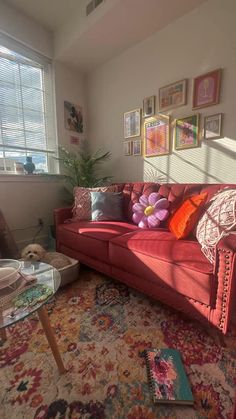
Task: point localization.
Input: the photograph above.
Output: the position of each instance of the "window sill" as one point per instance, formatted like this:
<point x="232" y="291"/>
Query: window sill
<point x="35" y="178"/>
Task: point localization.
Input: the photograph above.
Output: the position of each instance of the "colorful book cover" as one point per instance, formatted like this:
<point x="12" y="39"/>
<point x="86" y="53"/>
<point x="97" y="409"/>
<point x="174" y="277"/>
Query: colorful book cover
<point x="167" y="377"/>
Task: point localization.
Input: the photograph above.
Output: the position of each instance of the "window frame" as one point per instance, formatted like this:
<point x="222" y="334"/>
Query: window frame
<point x="27" y="55"/>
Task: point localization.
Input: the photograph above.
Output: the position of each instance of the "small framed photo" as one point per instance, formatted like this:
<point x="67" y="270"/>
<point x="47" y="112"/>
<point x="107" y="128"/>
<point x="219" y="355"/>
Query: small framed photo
<point x="157" y="136"/>
<point x="137" y="148"/>
<point x="212" y="126"/>
<point x="206" y="89"/>
<point x="148" y="106"/>
<point x="132" y="121"/>
<point x="186" y="133"/>
<point x="127" y="148"/>
<point x="173" y="95"/>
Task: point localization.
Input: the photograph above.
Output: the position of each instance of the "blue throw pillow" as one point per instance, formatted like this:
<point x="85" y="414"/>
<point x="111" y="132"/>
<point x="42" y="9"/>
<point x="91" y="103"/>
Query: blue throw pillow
<point x="107" y="206"/>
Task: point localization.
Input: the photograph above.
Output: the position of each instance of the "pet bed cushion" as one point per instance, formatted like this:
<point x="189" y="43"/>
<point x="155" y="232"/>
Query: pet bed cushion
<point x="187" y="215"/>
<point x="82" y="201"/>
<point x="218" y="219"/>
<point x="107" y="206"/>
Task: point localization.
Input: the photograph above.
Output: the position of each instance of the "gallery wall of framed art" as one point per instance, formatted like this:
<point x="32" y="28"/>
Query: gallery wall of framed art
<point x="158" y="129"/>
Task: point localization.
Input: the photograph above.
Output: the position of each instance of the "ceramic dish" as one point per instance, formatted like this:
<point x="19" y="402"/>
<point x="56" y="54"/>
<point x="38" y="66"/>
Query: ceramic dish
<point x="9" y="272"/>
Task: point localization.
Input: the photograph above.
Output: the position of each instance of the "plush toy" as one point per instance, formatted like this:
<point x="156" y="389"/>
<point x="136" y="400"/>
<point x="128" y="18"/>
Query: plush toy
<point x="150" y="210"/>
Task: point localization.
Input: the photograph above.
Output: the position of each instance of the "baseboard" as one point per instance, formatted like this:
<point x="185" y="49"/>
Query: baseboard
<point x="43" y="240"/>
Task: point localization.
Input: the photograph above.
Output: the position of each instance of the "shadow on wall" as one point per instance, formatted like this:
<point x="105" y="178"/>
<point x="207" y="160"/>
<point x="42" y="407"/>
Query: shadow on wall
<point x="212" y="166"/>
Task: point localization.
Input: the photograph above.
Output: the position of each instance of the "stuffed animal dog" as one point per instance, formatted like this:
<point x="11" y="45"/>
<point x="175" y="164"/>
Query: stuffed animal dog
<point x="35" y="252"/>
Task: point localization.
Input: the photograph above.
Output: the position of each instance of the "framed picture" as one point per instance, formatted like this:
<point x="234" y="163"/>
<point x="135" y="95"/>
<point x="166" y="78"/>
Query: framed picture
<point x="148" y="106"/>
<point x="137" y="148"/>
<point x="173" y="95"/>
<point x="206" y="89"/>
<point x="132" y="123"/>
<point x="73" y="117"/>
<point x="127" y="148"/>
<point x="212" y="126"/>
<point x="186" y="133"/>
<point x="157" y="136"/>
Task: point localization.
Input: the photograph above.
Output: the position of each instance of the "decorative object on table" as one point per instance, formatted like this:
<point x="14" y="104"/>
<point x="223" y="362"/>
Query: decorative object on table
<point x="33" y="296"/>
<point x="150" y="211"/>
<point x="82" y="168"/>
<point x="186" y="132"/>
<point x="173" y="95"/>
<point x="132" y="123"/>
<point x="36" y="253"/>
<point x="82" y="201"/>
<point x="107" y="206"/>
<point x="29" y="166"/>
<point x="157" y="136"/>
<point x="217" y="221"/>
<point x="206" y="89"/>
<point x="212" y="126"/>
<point x="185" y="218"/>
<point x="73" y="117"/>
<point x="9" y="272"/>
<point x="127" y="145"/>
<point x="148" y="106"/>
<point x="137" y="148"/>
<point x="167" y="378"/>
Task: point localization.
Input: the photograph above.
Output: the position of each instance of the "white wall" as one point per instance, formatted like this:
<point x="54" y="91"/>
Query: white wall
<point x="200" y="41"/>
<point x="24" y="199"/>
<point x="69" y="86"/>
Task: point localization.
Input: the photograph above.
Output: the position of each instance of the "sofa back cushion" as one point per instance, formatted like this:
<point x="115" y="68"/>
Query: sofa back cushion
<point x="176" y="193"/>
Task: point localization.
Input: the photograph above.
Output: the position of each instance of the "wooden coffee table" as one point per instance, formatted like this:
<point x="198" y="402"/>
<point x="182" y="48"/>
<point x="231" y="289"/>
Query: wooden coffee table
<point x="49" y="276"/>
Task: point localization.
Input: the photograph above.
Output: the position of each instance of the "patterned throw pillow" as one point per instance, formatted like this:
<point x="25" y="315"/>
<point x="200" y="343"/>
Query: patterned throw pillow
<point x="82" y="201"/>
<point x="218" y="219"/>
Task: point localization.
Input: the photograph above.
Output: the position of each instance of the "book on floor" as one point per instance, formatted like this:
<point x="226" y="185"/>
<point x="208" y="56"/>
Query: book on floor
<point x="167" y="378"/>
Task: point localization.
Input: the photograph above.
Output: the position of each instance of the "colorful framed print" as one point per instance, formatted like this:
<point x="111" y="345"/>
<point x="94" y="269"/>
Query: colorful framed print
<point x="137" y="148"/>
<point x="132" y="123"/>
<point x="173" y="95"/>
<point x="212" y="126"/>
<point x="73" y="117"/>
<point x="148" y="106"/>
<point x="186" y="133"/>
<point x="206" y="89"/>
<point x="127" y="148"/>
<point x="157" y="136"/>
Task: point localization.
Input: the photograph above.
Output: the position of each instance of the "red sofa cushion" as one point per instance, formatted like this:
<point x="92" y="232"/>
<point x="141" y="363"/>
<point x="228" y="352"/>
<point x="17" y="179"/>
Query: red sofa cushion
<point x="91" y="238"/>
<point x="156" y="255"/>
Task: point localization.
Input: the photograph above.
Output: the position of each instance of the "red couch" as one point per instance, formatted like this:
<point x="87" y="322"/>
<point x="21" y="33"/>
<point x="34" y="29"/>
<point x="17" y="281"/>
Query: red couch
<point x="152" y="260"/>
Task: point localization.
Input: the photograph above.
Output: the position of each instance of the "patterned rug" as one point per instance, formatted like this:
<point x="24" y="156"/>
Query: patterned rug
<point x="102" y="327"/>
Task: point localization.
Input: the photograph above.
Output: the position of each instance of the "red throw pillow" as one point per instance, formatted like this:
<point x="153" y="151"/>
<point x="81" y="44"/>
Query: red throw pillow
<point x="187" y="215"/>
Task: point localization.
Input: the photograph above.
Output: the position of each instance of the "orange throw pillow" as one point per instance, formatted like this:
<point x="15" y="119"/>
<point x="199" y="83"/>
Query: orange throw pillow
<point x="186" y="216"/>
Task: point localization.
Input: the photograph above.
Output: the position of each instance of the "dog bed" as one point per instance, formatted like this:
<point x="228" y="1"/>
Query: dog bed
<point x="70" y="272"/>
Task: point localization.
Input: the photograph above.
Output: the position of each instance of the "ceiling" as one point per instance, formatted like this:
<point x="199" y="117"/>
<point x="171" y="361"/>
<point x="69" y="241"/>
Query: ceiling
<point x="116" y="25"/>
<point x="49" y="13"/>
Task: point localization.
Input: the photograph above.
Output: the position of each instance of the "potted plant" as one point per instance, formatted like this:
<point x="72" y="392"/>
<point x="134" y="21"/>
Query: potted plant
<point x="81" y="168"/>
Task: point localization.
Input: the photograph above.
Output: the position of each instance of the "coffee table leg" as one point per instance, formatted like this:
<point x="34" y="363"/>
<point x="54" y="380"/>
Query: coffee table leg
<point x="43" y="316"/>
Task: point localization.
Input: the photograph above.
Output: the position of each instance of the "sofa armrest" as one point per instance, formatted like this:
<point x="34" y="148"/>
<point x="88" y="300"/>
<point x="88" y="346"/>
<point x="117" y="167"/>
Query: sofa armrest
<point x="225" y="268"/>
<point x="61" y="215"/>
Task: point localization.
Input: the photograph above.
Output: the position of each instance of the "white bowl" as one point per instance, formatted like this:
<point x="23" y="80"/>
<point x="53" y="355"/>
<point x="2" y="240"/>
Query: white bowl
<point x="9" y="272"/>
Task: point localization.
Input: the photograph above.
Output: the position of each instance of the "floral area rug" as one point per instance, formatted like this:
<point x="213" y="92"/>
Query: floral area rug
<point x="102" y="327"/>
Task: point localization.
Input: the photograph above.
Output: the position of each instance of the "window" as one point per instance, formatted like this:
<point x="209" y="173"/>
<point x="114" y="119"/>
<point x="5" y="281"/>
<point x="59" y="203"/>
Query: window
<point x="26" y="108"/>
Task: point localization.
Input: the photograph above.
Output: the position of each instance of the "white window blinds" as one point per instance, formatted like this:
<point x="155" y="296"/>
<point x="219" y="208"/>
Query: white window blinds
<point x="26" y="108"/>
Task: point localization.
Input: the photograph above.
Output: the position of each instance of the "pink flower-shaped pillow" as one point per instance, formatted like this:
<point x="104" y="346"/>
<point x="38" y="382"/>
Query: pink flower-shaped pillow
<point x="150" y="210"/>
